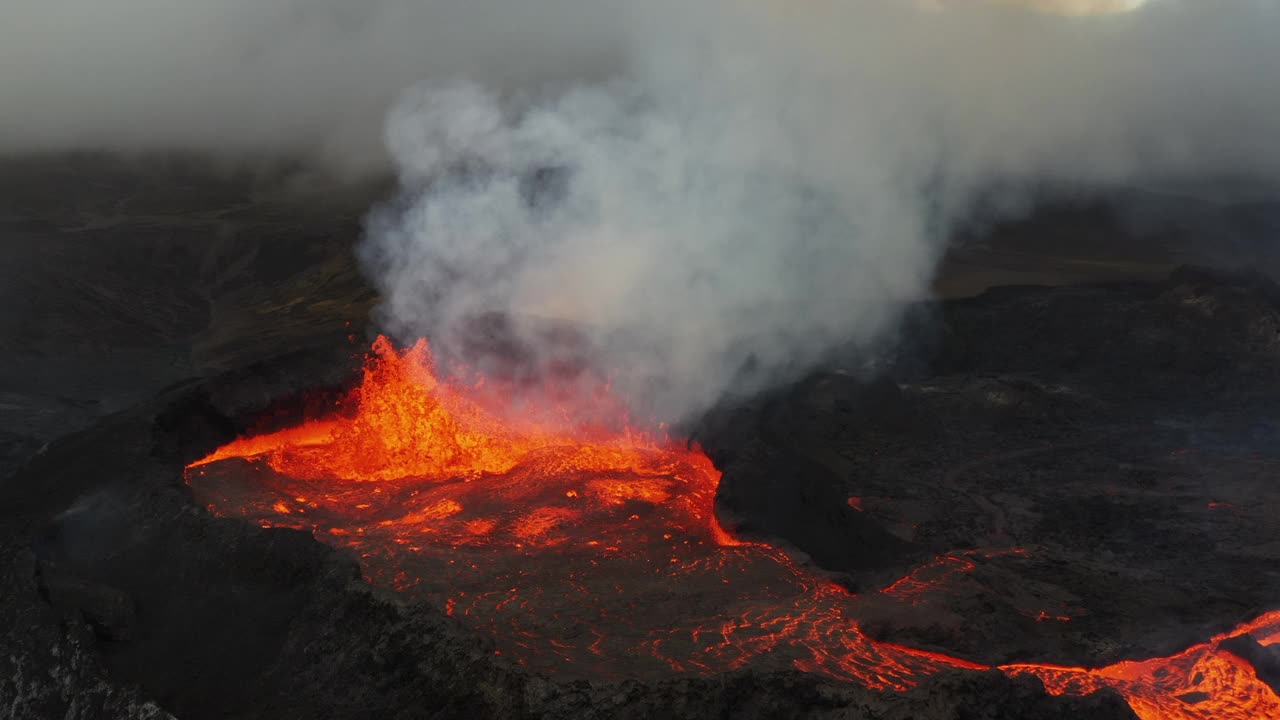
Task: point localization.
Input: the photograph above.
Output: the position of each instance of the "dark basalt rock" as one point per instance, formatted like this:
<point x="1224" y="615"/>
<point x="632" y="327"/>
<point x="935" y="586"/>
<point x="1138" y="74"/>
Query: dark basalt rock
<point x="1138" y="505"/>
<point x="780" y="484"/>
<point x="1119" y="438"/>
<point x="1124" y="436"/>
<point x="150" y="603"/>
<point x="1198" y="330"/>
<point x="1265" y="659"/>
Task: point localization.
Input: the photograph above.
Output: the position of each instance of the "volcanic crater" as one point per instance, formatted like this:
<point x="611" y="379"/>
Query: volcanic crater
<point x="1041" y="502"/>
<point x="1064" y="478"/>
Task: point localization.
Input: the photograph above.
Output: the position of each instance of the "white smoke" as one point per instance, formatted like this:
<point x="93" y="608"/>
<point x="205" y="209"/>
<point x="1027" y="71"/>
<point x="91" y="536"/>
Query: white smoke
<point x="709" y="187"/>
<point x="682" y="242"/>
<point x="766" y="181"/>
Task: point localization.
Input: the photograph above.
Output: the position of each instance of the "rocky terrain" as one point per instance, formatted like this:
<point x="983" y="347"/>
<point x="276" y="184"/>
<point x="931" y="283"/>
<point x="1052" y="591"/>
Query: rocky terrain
<point x="1095" y="460"/>
<point x="1101" y="454"/>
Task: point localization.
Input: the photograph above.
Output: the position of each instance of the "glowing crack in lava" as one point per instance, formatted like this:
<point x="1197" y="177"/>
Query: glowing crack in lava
<point x="590" y="548"/>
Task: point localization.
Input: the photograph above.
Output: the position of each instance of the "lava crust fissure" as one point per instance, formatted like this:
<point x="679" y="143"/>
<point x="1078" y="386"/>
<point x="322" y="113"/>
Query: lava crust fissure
<point x="551" y="546"/>
<point x="232" y="620"/>
<point x="1074" y="512"/>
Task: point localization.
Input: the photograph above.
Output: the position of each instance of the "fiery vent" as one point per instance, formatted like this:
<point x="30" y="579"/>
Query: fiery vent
<point x="589" y="547"/>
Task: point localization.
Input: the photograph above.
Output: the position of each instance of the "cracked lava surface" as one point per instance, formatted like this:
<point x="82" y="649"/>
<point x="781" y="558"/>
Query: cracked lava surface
<point x="591" y="549"/>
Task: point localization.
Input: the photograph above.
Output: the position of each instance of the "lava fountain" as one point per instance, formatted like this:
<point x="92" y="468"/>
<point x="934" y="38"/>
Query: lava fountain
<point x="591" y="548"/>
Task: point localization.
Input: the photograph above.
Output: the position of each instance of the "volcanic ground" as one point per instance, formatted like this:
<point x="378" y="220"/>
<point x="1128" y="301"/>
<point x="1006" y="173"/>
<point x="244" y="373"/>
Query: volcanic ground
<point x="1044" y="502"/>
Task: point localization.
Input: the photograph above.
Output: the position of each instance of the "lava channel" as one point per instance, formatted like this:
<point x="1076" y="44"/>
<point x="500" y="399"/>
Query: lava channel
<point x="591" y="548"/>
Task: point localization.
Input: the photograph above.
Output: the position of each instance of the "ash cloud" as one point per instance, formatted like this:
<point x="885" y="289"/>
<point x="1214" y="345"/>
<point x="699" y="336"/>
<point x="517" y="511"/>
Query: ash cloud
<point x="717" y="192"/>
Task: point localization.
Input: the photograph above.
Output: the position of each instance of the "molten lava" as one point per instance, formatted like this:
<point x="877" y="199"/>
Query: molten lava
<point x="587" y="544"/>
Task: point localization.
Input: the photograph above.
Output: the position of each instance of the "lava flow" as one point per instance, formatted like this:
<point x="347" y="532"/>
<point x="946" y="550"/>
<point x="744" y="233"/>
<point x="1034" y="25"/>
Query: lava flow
<point x="592" y="548"/>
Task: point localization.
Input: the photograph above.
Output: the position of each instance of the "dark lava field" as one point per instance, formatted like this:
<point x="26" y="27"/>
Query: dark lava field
<point x="1067" y="459"/>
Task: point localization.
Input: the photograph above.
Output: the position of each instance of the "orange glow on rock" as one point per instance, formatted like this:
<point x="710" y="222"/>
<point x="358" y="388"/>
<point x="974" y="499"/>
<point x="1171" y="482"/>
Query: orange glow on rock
<point x="1201" y="683"/>
<point x="595" y="546"/>
<point x="409" y="424"/>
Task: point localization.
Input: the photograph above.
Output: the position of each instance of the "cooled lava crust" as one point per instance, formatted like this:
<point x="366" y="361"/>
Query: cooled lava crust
<point x="1063" y="479"/>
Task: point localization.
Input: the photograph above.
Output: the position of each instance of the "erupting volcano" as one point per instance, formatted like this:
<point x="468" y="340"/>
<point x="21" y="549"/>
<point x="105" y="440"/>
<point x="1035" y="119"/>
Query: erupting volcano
<point x="592" y="549"/>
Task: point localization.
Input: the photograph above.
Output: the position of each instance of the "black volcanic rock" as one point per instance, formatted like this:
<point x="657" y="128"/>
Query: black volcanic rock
<point x="1199" y="329"/>
<point x="1098" y="457"/>
<point x="779" y="482"/>
<point x="1265" y="659"/>
<point x="150" y="603"/>
<point x="1140" y="517"/>
<point x="1122" y="438"/>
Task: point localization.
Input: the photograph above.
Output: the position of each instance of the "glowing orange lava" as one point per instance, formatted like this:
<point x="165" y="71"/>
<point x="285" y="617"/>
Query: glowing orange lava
<point x="1203" y="682"/>
<point x="587" y="547"/>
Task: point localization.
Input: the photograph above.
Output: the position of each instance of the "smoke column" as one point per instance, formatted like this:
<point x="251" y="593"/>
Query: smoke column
<point x="766" y="181"/>
<point x="717" y="192"/>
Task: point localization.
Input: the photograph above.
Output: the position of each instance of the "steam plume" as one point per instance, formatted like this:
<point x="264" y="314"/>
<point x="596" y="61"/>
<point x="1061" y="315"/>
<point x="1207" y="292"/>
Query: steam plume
<point x="765" y="180"/>
<point x="719" y="191"/>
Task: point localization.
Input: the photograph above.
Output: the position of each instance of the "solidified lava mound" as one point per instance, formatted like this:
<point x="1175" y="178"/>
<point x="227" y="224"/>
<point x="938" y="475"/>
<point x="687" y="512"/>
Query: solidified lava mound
<point x="1072" y="478"/>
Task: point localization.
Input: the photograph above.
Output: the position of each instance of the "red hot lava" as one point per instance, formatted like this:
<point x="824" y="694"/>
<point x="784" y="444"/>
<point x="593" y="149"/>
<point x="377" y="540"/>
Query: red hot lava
<point x="594" y="545"/>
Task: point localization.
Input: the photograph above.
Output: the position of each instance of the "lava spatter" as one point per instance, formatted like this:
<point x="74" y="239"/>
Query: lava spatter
<point x="589" y="547"/>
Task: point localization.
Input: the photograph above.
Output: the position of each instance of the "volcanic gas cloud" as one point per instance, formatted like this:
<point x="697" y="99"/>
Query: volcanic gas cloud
<point x="592" y="548"/>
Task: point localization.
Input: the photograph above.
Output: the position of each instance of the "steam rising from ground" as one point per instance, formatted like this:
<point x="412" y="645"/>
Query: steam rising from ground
<point x="719" y="191"/>
<point x="767" y="180"/>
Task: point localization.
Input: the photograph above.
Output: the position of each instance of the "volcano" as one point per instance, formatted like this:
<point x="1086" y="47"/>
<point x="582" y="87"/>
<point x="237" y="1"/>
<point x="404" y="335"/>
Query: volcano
<point x="1043" y="502"/>
<point x="332" y="522"/>
<point x="565" y="546"/>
